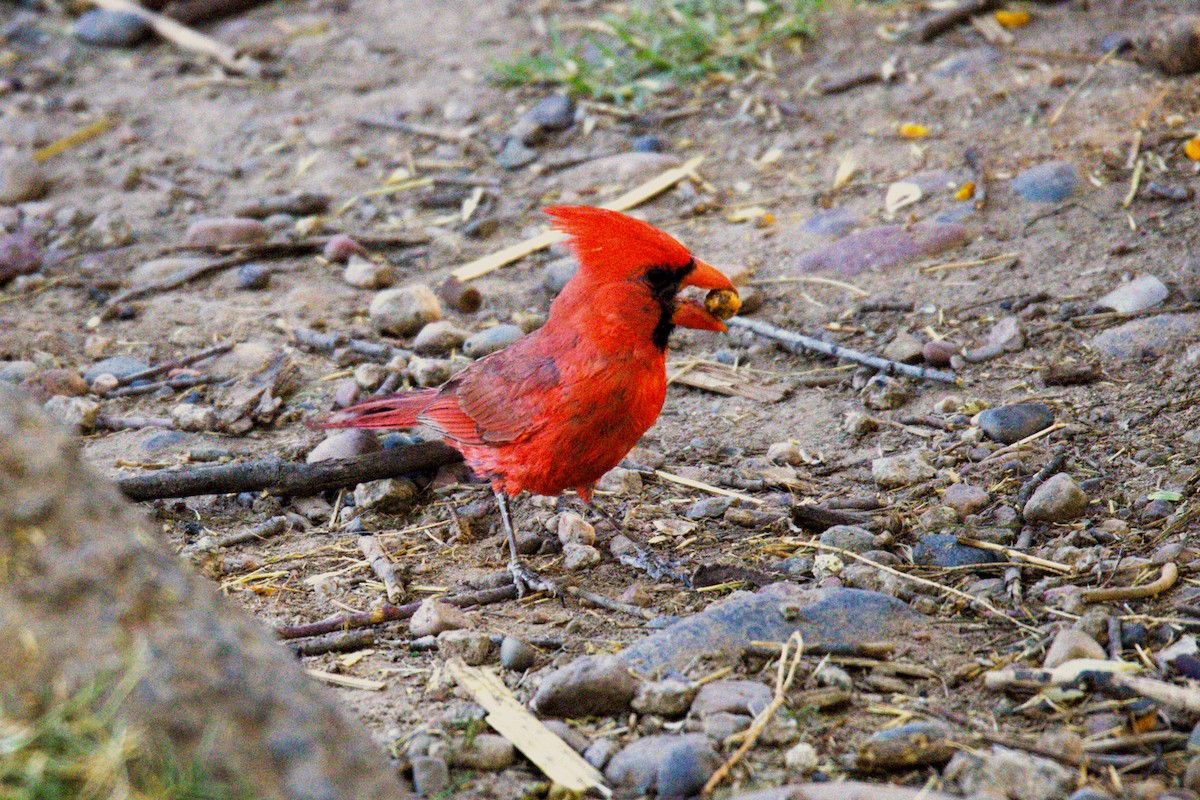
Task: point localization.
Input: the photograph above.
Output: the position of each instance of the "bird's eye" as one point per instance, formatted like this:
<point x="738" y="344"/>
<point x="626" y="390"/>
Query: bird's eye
<point x="663" y="280"/>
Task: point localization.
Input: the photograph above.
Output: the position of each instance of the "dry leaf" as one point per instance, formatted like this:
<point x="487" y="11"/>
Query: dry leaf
<point x="847" y="166"/>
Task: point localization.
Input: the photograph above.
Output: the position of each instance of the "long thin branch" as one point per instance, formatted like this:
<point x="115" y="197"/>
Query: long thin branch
<point x="288" y="477"/>
<point x="799" y="343"/>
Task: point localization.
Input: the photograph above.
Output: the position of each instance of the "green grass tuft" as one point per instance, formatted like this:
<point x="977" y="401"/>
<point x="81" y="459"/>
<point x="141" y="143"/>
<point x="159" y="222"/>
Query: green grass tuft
<point x="649" y="46"/>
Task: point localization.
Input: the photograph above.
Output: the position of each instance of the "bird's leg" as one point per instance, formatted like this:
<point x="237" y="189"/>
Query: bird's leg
<point x="523" y="577"/>
<point x="643" y="557"/>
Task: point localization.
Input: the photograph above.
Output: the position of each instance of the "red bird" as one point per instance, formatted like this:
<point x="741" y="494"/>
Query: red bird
<point x="560" y="407"/>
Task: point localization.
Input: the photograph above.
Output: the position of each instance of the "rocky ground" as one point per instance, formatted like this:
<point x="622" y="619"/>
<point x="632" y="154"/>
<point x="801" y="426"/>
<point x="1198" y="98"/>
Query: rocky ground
<point x="1012" y="203"/>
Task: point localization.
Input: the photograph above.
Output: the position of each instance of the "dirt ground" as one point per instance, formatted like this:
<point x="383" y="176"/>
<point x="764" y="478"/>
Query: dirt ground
<point x="191" y="142"/>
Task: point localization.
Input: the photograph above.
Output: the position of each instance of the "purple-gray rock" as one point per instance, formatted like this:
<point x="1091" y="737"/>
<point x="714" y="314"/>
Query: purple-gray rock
<point x="827" y="618"/>
<point x="1149" y="338"/>
<point x="515" y="154"/>
<point x="849" y="537"/>
<point x="344" y="444"/>
<point x="557" y="273"/>
<point x="965" y="499"/>
<point x="967" y="62"/>
<point x="943" y="550"/>
<point x="685" y="767"/>
<point x="592" y="686"/>
<point x="737" y="697"/>
<point x="647" y="143"/>
<point x="1051" y="182"/>
<point x="19" y="255"/>
<point x="636" y="769"/>
<point x="105" y="28"/>
<point x="254" y="277"/>
<point x="1011" y="423"/>
<point x="883" y="247"/>
<point x="553" y="112"/>
<point x="832" y="222"/>
<point x="121" y="366"/>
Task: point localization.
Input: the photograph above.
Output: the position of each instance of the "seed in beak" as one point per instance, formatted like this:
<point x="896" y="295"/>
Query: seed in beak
<point x="722" y="303"/>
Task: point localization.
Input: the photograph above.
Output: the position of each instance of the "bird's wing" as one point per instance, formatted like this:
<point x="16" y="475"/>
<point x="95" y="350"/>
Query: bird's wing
<point x="496" y="400"/>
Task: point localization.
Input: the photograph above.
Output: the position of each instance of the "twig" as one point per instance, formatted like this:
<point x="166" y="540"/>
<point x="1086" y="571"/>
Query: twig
<point x="978" y="262"/>
<point x="344" y="642"/>
<point x="175" y="363"/>
<point x="287" y="477"/>
<point x="635" y="197"/>
<point x="934" y="26"/>
<point x="264" y="530"/>
<point x="111" y="423"/>
<point x="612" y="605"/>
<point x="177" y="279"/>
<point x="189" y="39"/>
<point x="1170" y="574"/>
<point x="1012" y="575"/>
<point x="329" y="342"/>
<point x="391" y="613"/>
<point x="1017" y="555"/>
<point x="381" y="565"/>
<point x="799" y="343"/>
<point x="1016" y="446"/>
<point x="348" y="681"/>
<point x="784" y="677"/>
<point x="1135" y="182"/>
<point x="1030" y="486"/>
<point x="1077" y="88"/>
<point x="820" y="518"/>
<point x="1092" y="320"/>
<point x="178" y="382"/>
<point x="706" y="487"/>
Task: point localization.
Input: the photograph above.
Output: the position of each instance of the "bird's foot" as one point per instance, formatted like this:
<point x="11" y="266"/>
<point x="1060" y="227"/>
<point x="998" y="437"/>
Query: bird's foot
<point x="655" y="566"/>
<point x="526" y="580"/>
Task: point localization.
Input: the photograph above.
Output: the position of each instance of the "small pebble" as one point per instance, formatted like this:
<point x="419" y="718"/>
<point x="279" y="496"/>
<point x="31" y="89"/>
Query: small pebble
<point x="490" y="340"/>
<point x="487" y="751"/>
<point x="965" y="499"/>
<point x="943" y="550"/>
<point x="589" y="686"/>
<point x="939" y="352"/>
<point x="647" y="143"/>
<point x="194" y="417"/>
<point x="735" y="696"/>
<point x="666" y="698"/>
<point x="905" y="348"/>
<point x="516" y="654"/>
<point x="404" y="311"/>
<point x="387" y="495"/>
<point x="472" y="646"/>
<point x="19" y="255"/>
<point x="431" y="776"/>
<point x="891" y="472"/>
<point x="600" y="752"/>
<point x="708" y="507"/>
<point x="1059" y="499"/>
<point x="1051" y="182"/>
<point x="439" y="338"/>
<point x="434" y="616"/>
<point x="579" y="556"/>
<point x="346" y="393"/>
<point x="557" y="273"/>
<point x="515" y="154"/>
<point x="224" y="231"/>
<point x="430" y="371"/>
<point x="1137" y="295"/>
<point x="801" y="759"/>
<point x="1071" y="643"/>
<point x="105" y="28"/>
<point x="1011" y="423"/>
<point x="362" y="273"/>
<point x="78" y="413"/>
<point x="574" y="529"/>
<point x="619" y="480"/>
<point x="340" y="248"/>
<point x="21" y="178"/>
<point x="553" y="112"/>
<point x="344" y="444"/>
<point x="849" y="537"/>
<point x="253" y="276"/>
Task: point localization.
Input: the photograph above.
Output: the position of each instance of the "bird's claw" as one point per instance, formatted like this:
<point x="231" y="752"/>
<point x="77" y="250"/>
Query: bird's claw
<point x="656" y="567"/>
<point x="526" y="580"/>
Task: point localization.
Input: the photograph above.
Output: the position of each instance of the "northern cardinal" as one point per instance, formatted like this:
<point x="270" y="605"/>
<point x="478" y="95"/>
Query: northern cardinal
<point x="560" y="407"/>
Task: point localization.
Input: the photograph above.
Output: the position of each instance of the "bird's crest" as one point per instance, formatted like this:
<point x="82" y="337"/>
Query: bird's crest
<point x="613" y="246"/>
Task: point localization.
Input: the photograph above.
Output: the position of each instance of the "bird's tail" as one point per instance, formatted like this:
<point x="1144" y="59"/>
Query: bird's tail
<point x="396" y="411"/>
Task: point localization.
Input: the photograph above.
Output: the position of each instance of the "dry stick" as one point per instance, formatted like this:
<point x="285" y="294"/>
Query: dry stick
<point x="111" y="423"/>
<point x="1030" y="486"/>
<point x="176" y="363"/>
<point x="784" y="677"/>
<point x="177" y="279"/>
<point x="941" y="22"/>
<point x="799" y="343"/>
<point x="391" y="613"/>
<point x="979" y="601"/>
<point x="634" y="197"/>
<point x="288" y="477"/>
<point x="381" y="565"/>
<point x="1016" y="446"/>
<point x="1017" y="555"/>
<point x="346" y="641"/>
<point x="612" y="605"/>
<point x="178" y="382"/>
<point x="1170" y="574"/>
<point x="264" y="530"/>
<point x="188" y="39"/>
<point x="329" y="342"/>
<point x="1012" y="575"/>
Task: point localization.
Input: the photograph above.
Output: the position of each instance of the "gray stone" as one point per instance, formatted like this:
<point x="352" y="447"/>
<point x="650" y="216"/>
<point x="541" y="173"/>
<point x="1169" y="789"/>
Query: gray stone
<point x="666" y="698"/>
<point x="600" y="752"/>
<point x="830" y="617"/>
<point x="720" y="725"/>
<point x="849" y="537"/>
<point x="574" y="529"/>
<point x="77" y="413"/>
<point x="387" y="495"/>
<point x="801" y="758"/>
<point x="431" y="776"/>
<point x="105" y="28"/>
<point x="487" y="751"/>
<point x="224" y="232"/>
<point x="708" y="507"/>
<point x="254" y="277"/>
<point x="439" y="338"/>
<point x="1008" y="773"/>
<point x="490" y="340"/>
<point x="471" y="646"/>
<point x="943" y="550"/>
<point x="833" y="222"/>
<point x="362" y="273"/>
<point x="554" y="112"/>
<point x="685" y="768"/>
<point x="516" y="654"/>
<point x="1071" y="643"/>
<point x="1008" y="424"/>
<point x="619" y="480"/>
<point x="905" y="348"/>
<point x="579" y="556"/>
<point x="434" y="616"/>
<point x="736" y="696"/>
<point x="1149" y="338"/>
<point x="344" y="444"/>
<point x="404" y="311"/>
<point x="120" y="366"/>
<point x="891" y="472"/>
<point x="1137" y="295"/>
<point x="515" y="154"/>
<point x="591" y="686"/>
<point x="1059" y="499"/>
<point x="1051" y="182"/>
<point x="430" y="371"/>
<point x="21" y="178"/>
<point x="16" y="371"/>
<point x="20" y="255"/>
<point x="965" y="499"/>
<point x="636" y="769"/>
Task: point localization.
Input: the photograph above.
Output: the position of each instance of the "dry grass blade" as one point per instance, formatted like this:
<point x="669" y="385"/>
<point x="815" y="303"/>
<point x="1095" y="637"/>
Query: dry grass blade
<point x="706" y="487"/>
<point x="784" y="676"/>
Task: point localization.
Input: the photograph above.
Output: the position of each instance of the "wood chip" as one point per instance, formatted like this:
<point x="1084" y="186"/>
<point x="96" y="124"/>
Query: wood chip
<point x="348" y="681"/>
<point x="540" y="745"/>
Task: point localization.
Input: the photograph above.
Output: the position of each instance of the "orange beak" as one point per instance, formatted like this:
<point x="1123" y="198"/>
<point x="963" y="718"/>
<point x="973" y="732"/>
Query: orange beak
<point x="691" y="314"/>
